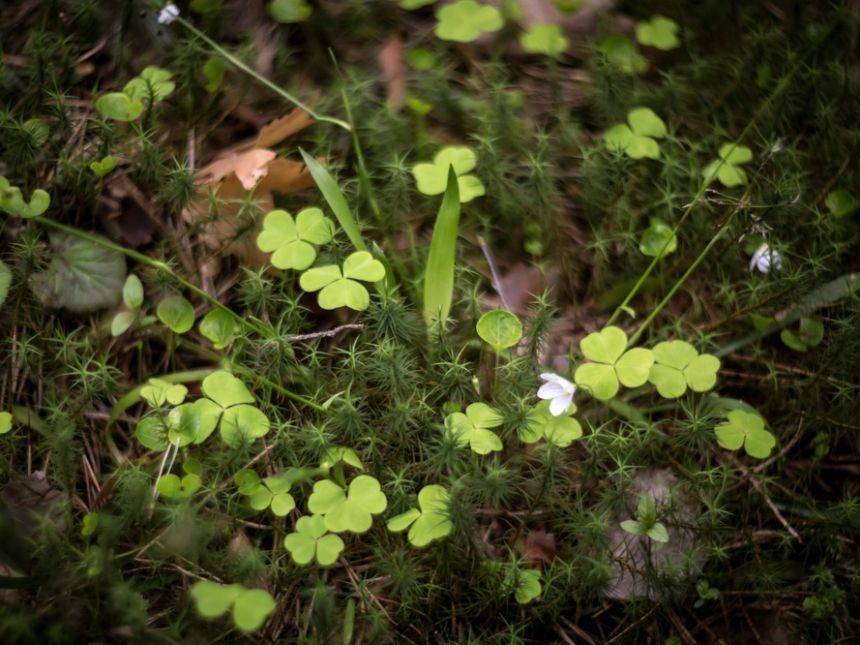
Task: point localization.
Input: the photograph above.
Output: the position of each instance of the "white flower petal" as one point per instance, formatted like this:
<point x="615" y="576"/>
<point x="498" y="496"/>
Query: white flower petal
<point x="560" y="404"/>
<point x="550" y="390"/>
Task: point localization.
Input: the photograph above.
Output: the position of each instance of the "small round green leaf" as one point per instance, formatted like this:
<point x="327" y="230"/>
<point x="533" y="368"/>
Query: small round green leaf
<point x="463" y="21"/>
<point x="219" y="327"/>
<point x="500" y="329"/>
<point x="177" y="313"/>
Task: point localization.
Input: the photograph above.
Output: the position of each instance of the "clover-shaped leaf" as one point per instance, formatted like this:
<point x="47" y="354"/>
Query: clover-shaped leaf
<point x="177" y="313"/>
<point x="351" y="510"/>
<point x="191" y="422"/>
<point x="728" y="167"/>
<point x="291" y="241"/>
<point x="500" y="329"/>
<point x="289" y="11"/>
<point x="430" y="521"/>
<point x="559" y="430"/>
<point x="465" y="20"/>
<point x="228" y="405"/>
<point x="339" y="287"/>
<point x="271" y="492"/>
<point x="151" y="433"/>
<point x="250" y="607"/>
<point x="157" y="392"/>
<point x="219" y="327"/>
<point x="678" y="365"/>
<point x="810" y="333"/>
<point x="840" y="202"/>
<point x="337" y="454"/>
<point x="622" y="53"/>
<point x="432" y="177"/>
<point x="177" y="489"/>
<point x="658" y="239"/>
<point x="545" y="39"/>
<point x="473" y="428"/>
<point x="154" y="84"/>
<point x="745" y="429"/>
<point x="311" y="540"/>
<point x="527" y="586"/>
<point x="119" y="106"/>
<point x="637" y="137"/>
<point x="104" y="166"/>
<point x="5" y="422"/>
<point x="611" y="363"/>
<point x="659" y="32"/>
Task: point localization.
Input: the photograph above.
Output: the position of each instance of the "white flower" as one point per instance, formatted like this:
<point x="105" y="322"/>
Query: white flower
<point x="558" y="391"/>
<point x="765" y="258"/>
<point x="168" y="14"/>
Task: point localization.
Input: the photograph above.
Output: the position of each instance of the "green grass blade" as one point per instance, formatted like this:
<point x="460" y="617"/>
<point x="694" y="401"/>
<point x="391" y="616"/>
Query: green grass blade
<point x="336" y="200"/>
<point x="439" y="276"/>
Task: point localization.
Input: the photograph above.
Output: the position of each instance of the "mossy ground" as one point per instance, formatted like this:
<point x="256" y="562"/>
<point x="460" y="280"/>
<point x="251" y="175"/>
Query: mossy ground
<point x="562" y="220"/>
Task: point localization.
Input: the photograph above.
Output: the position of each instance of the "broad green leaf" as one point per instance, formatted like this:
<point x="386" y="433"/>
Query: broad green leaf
<point x="745" y="429"/>
<point x="191" y="423"/>
<point x="241" y="424"/>
<point x="598" y="379"/>
<point x="213" y="599"/>
<point x="361" y="265"/>
<point x="219" y="327"/>
<point x="618" y="138"/>
<point x="213" y="71"/>
<point x="669" y="381"/>
<point x="633" y="527"/>
<point x="674" y="353"/>
<point x="659" y="32"/>
<point x="634" y="366"/>
<point x="310" y="539"/>
<point x="151" y="433"/>
<point x="82" y="276"/>
<point x="622" y="53"/>
<point x="177" y="313"/>
<point x="432" y="178"/>
<point x="701" y="373"/>
<point x="463" y="21"/>
<point x="314" y="227"/>
<point x="840" y="202"/>
<point x="119" y="107"/>
<point x="604" y="346"/>
<point x="645" y="123"/>
<point x="121" y="322"/>
<point x="643" y="148"/>
<point x="318" y="277"/>
<point x="528" y="586"/>
<point x="658" y="239"/>
<point x="282" y="503"/>
<point x="336" y="202"/>
<point x="434" y="522"/>
<point x="344" y="293"/>
<point x="291" y="241"/>
<point x="559" y="430"/>
<point x="351" y="510"/>
<point x="5" y="422"/>
<point x="225" y="389"/>
<point x="658" y="533"/>
<point x="439" y="274"/>
<point x="132" y="292"/>
<point x="154" y="84"/>
<point x="735" y="154"/>
<point x="731" y="176"/>
<point x="403" y="521"/>
<point x="545" y="39"/>
<point x="482" y="415"/>
<point x="251" y="608"/>
<point x="156" y="392"/>
<point x="12" y="201"/>
<point x="500" y="329"/>
<point x="289" y="11"/>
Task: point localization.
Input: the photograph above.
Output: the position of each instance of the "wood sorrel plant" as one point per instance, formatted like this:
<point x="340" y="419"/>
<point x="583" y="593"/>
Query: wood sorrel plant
<point x="496" y="367"/>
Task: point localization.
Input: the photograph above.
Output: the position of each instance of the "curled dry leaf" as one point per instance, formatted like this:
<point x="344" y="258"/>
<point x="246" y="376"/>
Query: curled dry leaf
<point x="251" y="166"/>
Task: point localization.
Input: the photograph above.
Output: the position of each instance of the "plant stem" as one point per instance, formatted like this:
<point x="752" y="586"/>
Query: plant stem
<point x="163" y="267"/>
<point x="363" y="175"/>
<point x="262" y="79"/>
